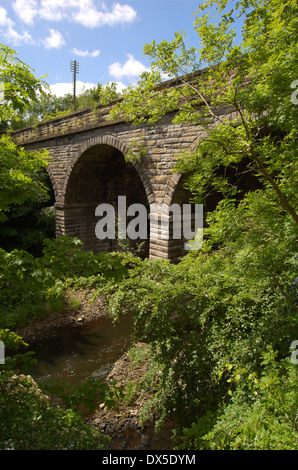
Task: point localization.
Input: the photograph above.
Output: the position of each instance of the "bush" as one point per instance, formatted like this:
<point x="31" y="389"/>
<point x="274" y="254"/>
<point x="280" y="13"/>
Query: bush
<point x="30" y="422"/>
<point x="30" y="287"/>
<point x="262" y="414"/>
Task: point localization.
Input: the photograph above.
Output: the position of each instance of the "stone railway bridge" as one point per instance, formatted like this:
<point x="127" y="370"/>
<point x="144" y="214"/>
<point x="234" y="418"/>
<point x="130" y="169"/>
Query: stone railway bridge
<point x="88" y="168"/>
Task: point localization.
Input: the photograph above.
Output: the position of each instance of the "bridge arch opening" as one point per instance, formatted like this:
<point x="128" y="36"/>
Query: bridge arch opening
<point x="99" y="176"/>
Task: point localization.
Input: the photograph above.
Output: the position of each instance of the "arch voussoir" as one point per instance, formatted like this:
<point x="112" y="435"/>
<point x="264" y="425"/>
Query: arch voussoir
<point x="91" y="142"/>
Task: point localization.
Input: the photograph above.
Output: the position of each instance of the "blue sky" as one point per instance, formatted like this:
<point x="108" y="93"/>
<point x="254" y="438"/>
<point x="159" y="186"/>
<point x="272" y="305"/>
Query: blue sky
<point x="105" y="37"/>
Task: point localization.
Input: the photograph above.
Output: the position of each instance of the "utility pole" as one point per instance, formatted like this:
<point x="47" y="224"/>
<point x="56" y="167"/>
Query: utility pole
<point x="74" y="68"/>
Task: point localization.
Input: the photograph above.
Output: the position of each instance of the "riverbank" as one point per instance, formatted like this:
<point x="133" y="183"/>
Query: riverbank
<point x="79" y="309"/>
<point x="122" y="423"/>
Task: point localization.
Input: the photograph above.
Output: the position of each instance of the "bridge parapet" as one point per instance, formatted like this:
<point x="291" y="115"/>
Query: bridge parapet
<point x="88" y="118"/>
<point x="71" y="123"/>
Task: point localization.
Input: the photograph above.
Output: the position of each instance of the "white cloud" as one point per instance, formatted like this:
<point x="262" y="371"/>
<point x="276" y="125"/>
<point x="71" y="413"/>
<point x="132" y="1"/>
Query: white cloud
<point x="131" y="68"/>
<point x="84" y="12"/>
<point x="52" y="10"/>
<point x="80" y="53"/>
<point x="4" y="20"/>
<point x="26" y="10"/>
<point x="61" y="89"/>
<point x="10" y="34"/>
<point x="55" y="40"/>
<point x="88" y="13"/>
<point x="91" y="17"/>
<point x="15" y="38"/>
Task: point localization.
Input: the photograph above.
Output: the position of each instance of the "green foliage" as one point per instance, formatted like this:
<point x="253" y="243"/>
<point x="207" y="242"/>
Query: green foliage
<point x="88" y="394"/>
<point x="30" y="422"/>
<point x="43" y="106"/>
<point x="261" y="415"/>
<point x="46" y="106"/>
<point x="217" y="307"/>
<point x="254" y="78"/>
<point x="27" y="225"/>
<point x="226" y="305"/>
<point x="30" y="287"/>
<point x="210" y="320"/>
<point x="142" y="104"/>
<point x="19" y="177"/>
<point x="20" y="85"/>
<point x="101" y="95"/>
<point x="15" y="361"/>
<point x="74" y="302"/>
<point x="136" y="152"/>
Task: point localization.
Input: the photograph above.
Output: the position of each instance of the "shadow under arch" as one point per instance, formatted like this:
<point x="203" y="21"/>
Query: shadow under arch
<point x="111" y="141"/>
<point x="98" y="175"/>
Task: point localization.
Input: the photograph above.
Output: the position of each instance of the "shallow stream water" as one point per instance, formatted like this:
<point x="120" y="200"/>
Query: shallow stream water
<point x="92" y="351"/>
<point x="86" y="351"/>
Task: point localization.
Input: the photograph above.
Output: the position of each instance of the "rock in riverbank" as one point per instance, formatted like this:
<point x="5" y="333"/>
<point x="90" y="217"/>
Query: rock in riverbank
<point x="123" y="423"/>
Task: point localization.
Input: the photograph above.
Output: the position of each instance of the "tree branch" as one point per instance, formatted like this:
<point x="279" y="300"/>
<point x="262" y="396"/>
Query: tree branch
<point x="261" y="166"/>
<point x="281" y="289"/>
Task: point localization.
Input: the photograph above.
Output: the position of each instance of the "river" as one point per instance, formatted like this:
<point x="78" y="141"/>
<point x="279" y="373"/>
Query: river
<point x="91" y="350"/>
<point x="85" y="351"/>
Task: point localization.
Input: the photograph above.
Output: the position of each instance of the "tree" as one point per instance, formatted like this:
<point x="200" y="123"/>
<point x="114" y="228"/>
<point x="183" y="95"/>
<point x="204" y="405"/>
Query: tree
<point x="46" y="106"/>
<point x="101" y="95"/>
<point x="254" y="77"/>
<point x="19" y="177"/>
<point x="27" y="225"/>
<point x="26" y="192"/>
<point x="223" y="307"/>
<point x="43" y="107"/>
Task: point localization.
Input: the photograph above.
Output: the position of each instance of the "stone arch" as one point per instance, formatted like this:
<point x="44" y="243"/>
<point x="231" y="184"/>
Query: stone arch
<point x="54" y="184"/>
<point x="176" y="178"/>
<point x="170" y="189"/>
<point x="98" y="175"/>
<point x="112" y="141"/>
<point x="176" y="193"/>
